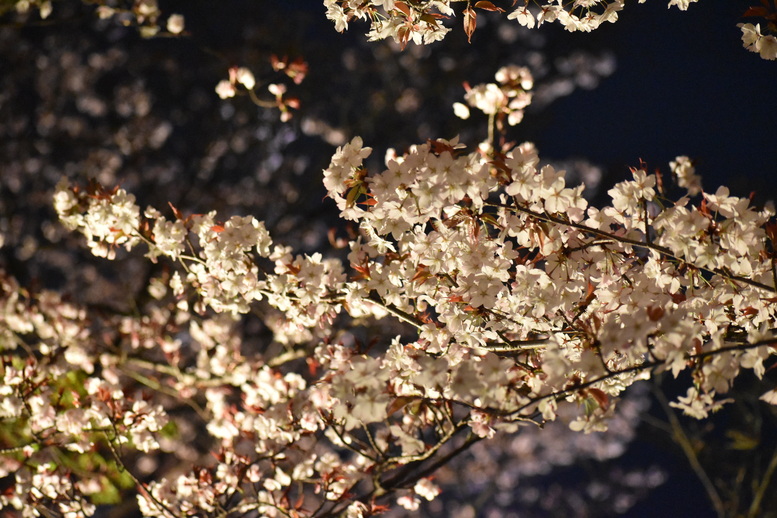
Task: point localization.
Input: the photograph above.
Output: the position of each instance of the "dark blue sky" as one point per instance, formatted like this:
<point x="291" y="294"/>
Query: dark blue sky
<point x="683" y="85"/>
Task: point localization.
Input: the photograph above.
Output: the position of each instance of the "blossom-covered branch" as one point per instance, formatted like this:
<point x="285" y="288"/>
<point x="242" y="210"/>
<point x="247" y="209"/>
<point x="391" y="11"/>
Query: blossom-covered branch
<point x="524" y="300"/>
<point x="422" y="22"/>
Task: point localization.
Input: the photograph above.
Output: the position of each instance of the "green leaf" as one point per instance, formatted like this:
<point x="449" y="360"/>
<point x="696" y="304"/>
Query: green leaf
<point x="110" y="494"/>
<point x="170" y="430"/>
<point x="742" y="441"/>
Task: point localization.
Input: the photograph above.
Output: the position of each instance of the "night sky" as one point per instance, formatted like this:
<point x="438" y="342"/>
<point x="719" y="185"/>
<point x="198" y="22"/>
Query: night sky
<point x="684" y="85"/>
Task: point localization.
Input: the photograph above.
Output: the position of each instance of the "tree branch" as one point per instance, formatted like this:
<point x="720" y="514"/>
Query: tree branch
<point x="679" y="435"/>
<point x="633" y="242"/>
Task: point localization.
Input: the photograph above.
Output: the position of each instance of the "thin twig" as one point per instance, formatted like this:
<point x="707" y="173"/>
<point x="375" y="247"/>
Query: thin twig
<point x="681" y="438"/>
<point x="633" y="242"/>
<point x="508" y="345"/>
<point x="402" y="315"/>
<point x="123" y="467"/>
<point x="755" y="506"/>
<point x="157" y="386"/>
<point x="469" y="441"/>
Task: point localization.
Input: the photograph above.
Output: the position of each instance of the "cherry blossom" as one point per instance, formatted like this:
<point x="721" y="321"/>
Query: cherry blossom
<point x="514" y="304"/>
<point x="525" y="301"/>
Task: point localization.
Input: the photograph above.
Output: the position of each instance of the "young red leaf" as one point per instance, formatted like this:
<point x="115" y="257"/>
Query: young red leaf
<point x="422" y="274"/>
<point x="771" y="231"/>
<point x="176" y="212"/>
<point x="402" y="7"/>
<point x="602" y="399"/>
<point x="370" y="201"/>
<point x="590" y="295"/>
<point x="488" y="6"/>
<point x="403" y="33"/>
<point x="399" y="403"/>
<point x="655" y="313"/>
<point x="364" y="271"/>
<point x="313" y="365"/>
<point x="432" y="18"/>
<point x="336" y="242"/>
<point x="659" y="182"/>
<point x="755" y="11"/>
<point x="470" y="22"/>
<point x="438" y="147"/>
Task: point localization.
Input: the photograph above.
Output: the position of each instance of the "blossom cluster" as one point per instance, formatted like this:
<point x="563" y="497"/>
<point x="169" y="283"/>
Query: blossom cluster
<point x="56" y="408"/>
<point x="508" y="97"/>
<point x="243" y="77"/>
<point x="144" y="14"/>
<point x="44" y="7"/>
<point x="404" y="22"/>
<point x="421" y="22"/>
<point x="755" y="41"/>
<point x="620" y="289"/>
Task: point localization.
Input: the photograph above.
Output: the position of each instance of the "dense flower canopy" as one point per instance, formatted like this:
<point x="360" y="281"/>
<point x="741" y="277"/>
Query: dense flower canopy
<point x="421" y="22"/>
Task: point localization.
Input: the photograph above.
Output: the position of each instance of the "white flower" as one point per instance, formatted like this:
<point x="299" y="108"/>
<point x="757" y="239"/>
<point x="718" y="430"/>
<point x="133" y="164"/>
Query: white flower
<point x="427" y="489"/>
<point x="770" y="397"/>
<point x="175" y="24"/>
<point x="683" y="169"/>
<point x="750" y="35"/>
<point x="356" y="510"/>
<point x="461" y="110"/>
<point x="45" y="9"/>
<point x="225" y="89"/>
<point x="524" y="17"/>
<point x="698" y="404"/>
<point x="755" y="41"/>
<point x="681" y="4"/>
<point x="409" y="502"/>
<point x="488" y="98"/>
<point x="767" y="47"/>
<point x="245" y="77"/>
<point x="352" y="154"/>
<point x="277" y="89"/>
<point x="336" y="13"/>
<point x="169" y="237"/>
